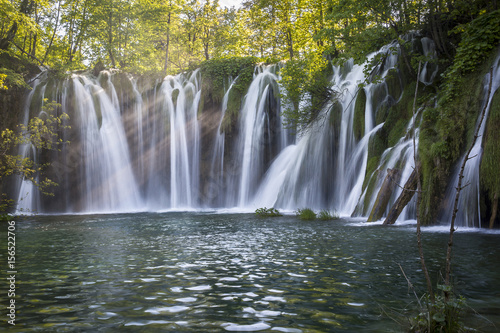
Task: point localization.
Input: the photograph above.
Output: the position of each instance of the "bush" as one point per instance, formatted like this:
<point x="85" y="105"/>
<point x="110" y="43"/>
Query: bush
<point x="267" y="212"/>
<point x="306" y="214"/>
<point x="326" y="215"/>
<point x="441" y="316"/>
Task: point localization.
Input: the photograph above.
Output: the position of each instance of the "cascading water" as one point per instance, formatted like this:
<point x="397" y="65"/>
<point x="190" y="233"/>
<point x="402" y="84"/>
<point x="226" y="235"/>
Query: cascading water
<point x="261" y="136"/>
<point x="326" y="169"/>
<point x="152" y="148"/>
<point x="106" y="171"/>
<point x="28" y="198"/>
<point x="469" y="211"/>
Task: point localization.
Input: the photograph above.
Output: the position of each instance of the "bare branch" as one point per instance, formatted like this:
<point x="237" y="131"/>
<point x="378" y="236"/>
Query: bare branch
<point x="459" y="188"/>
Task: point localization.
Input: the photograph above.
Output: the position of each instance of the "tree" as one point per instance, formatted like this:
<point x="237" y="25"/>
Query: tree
<point x="41" y="133"/>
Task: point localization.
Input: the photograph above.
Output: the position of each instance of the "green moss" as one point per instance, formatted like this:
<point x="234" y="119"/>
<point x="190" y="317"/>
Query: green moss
<point x="369" y="191"/>
<point x="377" y="144"/>
<point x="359" y="115"/>
<point x="336" y="115"/>
<point x="490" y="170"/>
<point x="175" y="95"/>
<point x="215" y="74"/>
<point x="394" y="84"/>
<point x="371" y="167"/>
<point x="397" y="132"/>
<point x="382" y="112"/>
<point x="446" y="132"/>
<point x="399" y="115"/>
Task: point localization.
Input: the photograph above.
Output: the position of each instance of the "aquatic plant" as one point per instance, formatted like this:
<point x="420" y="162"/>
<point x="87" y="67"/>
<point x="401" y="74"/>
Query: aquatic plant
<point x="306" y="214"/>
<point x="267" y="212"/>
<point x="327" y="215"/>
<point x="441" y="315"/>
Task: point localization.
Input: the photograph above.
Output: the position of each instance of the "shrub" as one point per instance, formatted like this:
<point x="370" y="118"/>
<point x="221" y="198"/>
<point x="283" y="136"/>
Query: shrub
<point x="306" y="214"/>
<point x="267" y="212"/>
<point x="326" y="215"/>
<point x="441" y="316"/>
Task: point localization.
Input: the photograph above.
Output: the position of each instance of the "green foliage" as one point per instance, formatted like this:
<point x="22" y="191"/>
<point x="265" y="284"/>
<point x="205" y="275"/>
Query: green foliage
<point x="442" y="315"/>
<point x="9" y="78"/>
<point x="307" y="88"/>
<point x="40" y="133"/>
<point x="490" y="171"/>
<point x="479" y="38"/>
<point x="327" y="215"/>
<point x="306" y="214"/>
<point x="216" y="72"/>
<point x="267" y="212"/>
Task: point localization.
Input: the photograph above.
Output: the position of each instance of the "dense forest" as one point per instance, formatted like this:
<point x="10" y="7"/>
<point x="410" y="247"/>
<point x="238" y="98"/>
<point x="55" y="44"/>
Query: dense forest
<point x="155" y="38"/>
<point x="172" y="36"/>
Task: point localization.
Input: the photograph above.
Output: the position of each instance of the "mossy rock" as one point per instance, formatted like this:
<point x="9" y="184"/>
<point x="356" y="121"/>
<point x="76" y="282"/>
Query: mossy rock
<point x="490" y="171"/>
<point x="370" y="189"/>
<point x="359" y="115"/>
<point x="335" y="118"/>
<point x="175" y="95"/>
<point x="445" y="134"/>
<point x="399" y="115"/>
<point x="394" y="84"/>
<point x="383" y="112"/>
<point x="377" y="143"/>
<point x="371" y="167"/>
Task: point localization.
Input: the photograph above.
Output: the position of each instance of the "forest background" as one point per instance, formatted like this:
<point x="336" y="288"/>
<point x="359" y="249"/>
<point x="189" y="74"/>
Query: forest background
<point x="151" y="36"/>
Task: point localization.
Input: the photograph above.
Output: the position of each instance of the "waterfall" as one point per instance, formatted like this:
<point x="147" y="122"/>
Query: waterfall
<point x="326" y="167"/>
<point x="106" y="170"/>
<point x="211" y="190"/>
<point x="28" y="196"/>
<point x="257" y="138"/>
<point x="149" y="146"/>
<point x="173" y="148"/>
<point x="469" y="211"/>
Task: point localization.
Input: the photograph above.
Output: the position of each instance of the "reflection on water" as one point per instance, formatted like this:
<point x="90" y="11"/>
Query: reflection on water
<point x="232" y="272"/>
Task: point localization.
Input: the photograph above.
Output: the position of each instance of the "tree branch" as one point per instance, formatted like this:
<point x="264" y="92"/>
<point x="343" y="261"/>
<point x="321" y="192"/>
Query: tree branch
<point x="459" y="188"/>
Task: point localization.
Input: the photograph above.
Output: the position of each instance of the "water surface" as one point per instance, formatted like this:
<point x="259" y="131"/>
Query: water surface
<point x="209" y="272"/>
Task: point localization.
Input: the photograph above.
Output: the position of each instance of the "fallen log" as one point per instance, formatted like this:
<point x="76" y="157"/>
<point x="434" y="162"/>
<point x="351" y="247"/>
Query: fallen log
<point x="408" y="191"/>
<point x="384" y="194"/>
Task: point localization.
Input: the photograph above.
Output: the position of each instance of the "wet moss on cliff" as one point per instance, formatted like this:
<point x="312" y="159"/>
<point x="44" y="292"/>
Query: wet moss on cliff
<point x="216" y="74"/>
<point x="490" y="171"/>
<point x="359" y="115"/>
<point x="446" y="131"/>
<point x="216" y="78"/>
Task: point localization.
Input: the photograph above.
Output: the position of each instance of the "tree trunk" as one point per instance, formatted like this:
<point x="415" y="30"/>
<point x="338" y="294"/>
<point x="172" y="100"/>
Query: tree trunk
<point x="25" y="8"/>
<point x="4" y="42"/>
<point x="110" y="36"/>
<point x="165" y="67"/>
<point x="290" y="43"/>
<point x="54" y="33"/>
<point x="459" y="188"/>
<point x="384" y="194"/>
<point x="405" y="197"/>
<point x="33" y="47"/>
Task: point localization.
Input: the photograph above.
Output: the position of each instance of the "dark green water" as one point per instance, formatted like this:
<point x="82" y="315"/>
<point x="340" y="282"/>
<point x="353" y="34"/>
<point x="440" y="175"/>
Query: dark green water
<point x="187" y="272"/>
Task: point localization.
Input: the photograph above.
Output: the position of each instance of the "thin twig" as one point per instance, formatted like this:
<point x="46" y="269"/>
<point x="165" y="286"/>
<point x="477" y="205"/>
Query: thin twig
<point x="459" y="188"/>
<point x="419" y="191"/>
<point x="410" y="285"/>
